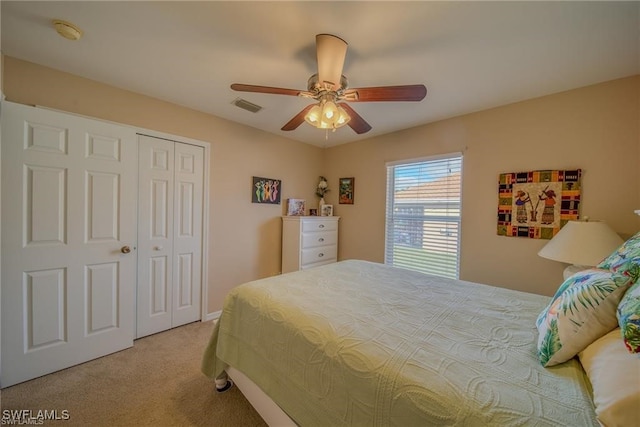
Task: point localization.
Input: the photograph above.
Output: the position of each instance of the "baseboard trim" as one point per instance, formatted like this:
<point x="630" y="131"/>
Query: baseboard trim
<point x="212" y="316"/>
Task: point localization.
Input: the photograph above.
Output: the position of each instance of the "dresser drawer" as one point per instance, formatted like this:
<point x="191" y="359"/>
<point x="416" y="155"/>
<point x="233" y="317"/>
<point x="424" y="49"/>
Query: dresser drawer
<point x="320" y="254"/>
<point x="319" y="225"/>
<point x="324" y="238"/>
<point x="318" y="264"/>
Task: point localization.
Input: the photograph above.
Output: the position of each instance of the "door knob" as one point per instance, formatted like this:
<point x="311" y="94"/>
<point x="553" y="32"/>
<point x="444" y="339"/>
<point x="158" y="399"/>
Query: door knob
<point x="125" y="249"/>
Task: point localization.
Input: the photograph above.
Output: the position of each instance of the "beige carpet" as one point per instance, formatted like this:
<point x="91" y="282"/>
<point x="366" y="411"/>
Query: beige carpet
<point x="157" y="382"/>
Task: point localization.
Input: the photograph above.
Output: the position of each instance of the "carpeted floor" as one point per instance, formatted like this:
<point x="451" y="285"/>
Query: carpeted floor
<point x="157" y="382"/>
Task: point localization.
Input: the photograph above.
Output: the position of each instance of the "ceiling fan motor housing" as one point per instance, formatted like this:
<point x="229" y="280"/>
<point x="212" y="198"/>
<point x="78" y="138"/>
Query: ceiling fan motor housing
<point x="316" y="87"/>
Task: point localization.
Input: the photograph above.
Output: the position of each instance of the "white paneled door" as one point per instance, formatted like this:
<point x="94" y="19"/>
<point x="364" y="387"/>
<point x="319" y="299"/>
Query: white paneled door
<point x="169" y="234"/>
<point x="68" y="240"/>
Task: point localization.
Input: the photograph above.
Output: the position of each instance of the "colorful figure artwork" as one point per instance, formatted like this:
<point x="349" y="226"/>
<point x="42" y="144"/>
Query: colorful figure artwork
<point x="537" y="204"/>
<point x="266" y="190"/>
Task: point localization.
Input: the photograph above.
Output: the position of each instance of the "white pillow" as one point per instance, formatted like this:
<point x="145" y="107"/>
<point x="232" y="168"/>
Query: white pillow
<point x="615" y="377"/>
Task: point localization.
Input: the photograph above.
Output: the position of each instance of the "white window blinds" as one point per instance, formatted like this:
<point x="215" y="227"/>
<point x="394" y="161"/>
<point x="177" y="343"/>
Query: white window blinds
<point x="423" y="215"/>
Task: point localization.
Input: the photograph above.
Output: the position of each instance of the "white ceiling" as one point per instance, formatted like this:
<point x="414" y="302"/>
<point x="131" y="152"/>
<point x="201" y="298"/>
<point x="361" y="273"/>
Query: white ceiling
<point x="471" y="55"/>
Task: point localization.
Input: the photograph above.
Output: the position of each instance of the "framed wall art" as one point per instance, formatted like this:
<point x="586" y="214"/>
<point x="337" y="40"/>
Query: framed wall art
<point x="266" y="190"/>
<point x="537" y="204"/>
<point x="346" y="189"/>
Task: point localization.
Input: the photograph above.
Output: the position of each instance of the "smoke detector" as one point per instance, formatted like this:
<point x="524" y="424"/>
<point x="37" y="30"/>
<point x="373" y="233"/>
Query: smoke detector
<point x="67" y="29"/>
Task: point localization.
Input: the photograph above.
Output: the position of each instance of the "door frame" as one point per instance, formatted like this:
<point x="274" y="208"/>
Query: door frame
<point x="204" y="316"/>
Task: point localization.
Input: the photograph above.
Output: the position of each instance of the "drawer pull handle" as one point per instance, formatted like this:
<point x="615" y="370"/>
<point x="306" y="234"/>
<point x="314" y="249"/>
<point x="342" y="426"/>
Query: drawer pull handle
<point x="321" y="239"/>
<point x="320" y="255"/>
<point x="321" y="226"/>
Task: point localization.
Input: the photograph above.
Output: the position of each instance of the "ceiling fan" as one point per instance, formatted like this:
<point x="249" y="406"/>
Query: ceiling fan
<point x="330" y="88"/>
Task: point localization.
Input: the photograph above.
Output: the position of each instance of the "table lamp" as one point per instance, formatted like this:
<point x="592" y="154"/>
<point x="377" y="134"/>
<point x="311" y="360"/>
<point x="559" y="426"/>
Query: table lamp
<point x="583" y="244"/>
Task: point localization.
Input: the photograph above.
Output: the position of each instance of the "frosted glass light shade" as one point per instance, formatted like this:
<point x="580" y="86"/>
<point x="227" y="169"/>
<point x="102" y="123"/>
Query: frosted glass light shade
<point x="327" y="115"/>
<point x="584" y="243"/>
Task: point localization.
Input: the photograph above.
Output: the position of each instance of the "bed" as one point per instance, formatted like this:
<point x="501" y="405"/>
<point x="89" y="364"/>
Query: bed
<point x="362" y="343"/>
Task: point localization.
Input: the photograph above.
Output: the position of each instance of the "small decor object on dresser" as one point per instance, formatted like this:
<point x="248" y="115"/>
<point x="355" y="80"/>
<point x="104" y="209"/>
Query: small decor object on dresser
<point x="295" y="207"/>
<point x="537" y="204"/>
<point x="327" y="210"/>
<point x="346" y="191"/>
<point x="321" y="190"/>
<point x="266" y="190"/>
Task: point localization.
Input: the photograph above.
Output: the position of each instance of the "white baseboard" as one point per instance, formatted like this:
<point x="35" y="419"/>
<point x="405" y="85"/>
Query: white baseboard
<point x="212" y="316"/>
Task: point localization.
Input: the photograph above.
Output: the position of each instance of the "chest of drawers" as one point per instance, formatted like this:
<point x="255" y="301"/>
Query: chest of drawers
<point x="308" y="241"/>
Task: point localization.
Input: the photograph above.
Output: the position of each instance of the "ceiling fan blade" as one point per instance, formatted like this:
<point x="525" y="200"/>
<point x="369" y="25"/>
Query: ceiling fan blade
<point x="265" y="89"/>
<point x="386" y="93"/>
<point x="357" y="123"/>
<point x="298" y="119"/>
<point x="330" y="52"/>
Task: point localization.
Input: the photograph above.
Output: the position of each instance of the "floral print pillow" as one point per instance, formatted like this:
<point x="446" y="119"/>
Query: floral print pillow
<point x="629" y="318"/>
<point x="582" y="310"/>
<point x="622" y="256"/>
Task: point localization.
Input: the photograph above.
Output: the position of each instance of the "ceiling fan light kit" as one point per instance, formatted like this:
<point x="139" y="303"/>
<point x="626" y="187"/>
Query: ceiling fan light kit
<point x="327" y="115"/>
<point x="329" y="86"/>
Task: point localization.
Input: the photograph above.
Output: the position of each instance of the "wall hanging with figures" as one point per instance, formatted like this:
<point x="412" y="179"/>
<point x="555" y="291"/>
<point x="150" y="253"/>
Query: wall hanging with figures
<point x="266" y="190"/>
<point x="537" y="204"/>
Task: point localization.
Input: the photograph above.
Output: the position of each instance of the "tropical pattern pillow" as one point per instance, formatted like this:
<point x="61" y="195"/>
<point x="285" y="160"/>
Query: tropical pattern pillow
<point x="628" y="251"/>
<point x="582" y="310"/>
<point x="629" y="318"/>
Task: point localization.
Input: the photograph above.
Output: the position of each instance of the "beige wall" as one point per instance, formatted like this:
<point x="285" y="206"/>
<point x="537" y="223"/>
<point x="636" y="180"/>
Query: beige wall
<point x="596" y="128"/>
<point x="244" y="238"/>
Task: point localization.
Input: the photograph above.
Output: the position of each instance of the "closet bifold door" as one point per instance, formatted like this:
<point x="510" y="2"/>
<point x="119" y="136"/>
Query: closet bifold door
<point x="187" y="234"/>
<point x="169" y="234"/>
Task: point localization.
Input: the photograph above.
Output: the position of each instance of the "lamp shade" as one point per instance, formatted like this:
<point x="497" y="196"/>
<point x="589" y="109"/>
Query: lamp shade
<point x="584" y="243"/>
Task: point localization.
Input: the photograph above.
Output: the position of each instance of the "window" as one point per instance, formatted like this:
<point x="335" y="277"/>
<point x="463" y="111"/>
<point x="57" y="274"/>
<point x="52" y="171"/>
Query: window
<point x="423" y="215"/>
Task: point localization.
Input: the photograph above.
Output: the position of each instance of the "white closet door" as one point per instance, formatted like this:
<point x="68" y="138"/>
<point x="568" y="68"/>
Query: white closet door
<point x="169" y="234"/>
<point x="155" y="235"/>
<point x="68" y="216"/>
<point x="187" y="243"/>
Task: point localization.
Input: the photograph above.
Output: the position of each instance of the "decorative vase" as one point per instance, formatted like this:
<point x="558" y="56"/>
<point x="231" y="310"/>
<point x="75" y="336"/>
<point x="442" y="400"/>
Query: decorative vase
<point x="320" y="206"/>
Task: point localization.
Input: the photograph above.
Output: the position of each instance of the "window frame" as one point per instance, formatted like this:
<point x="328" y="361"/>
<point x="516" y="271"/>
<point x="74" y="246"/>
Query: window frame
<point x="450" y="206"/>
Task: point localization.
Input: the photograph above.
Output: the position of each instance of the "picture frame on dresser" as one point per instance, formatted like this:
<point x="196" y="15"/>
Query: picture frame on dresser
<point x="295" y="207"/>
<point x="327" y="210"/>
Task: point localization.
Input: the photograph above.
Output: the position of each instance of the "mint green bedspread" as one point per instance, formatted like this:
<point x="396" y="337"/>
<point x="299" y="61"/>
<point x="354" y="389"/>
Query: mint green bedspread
<point x="363" y="344"/>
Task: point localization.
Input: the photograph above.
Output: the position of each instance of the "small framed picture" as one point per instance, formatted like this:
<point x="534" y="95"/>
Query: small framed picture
<point x="313" y="212"/>
<point x="295" y="207"/>
<point x="346" y="191"/>
<point x="327" y="210"/>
